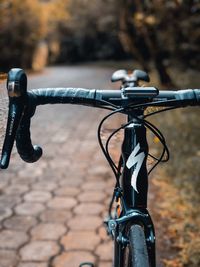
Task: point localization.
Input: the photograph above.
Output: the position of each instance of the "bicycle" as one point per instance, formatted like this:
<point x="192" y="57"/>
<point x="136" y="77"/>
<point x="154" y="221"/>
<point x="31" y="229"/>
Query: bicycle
<point x="130" y="225"/>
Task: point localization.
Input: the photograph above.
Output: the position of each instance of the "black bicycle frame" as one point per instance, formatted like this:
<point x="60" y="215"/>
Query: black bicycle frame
<point x="135" y="177"/>
<point x="134" y="182"/>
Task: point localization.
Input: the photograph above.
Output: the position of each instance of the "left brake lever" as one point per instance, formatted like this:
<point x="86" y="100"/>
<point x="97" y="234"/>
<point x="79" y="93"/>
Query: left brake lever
<point x="17" y="92"/>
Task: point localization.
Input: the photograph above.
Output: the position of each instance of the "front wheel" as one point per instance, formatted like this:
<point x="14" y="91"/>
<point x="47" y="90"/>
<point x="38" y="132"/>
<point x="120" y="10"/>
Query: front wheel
<point x="135" y="253"/>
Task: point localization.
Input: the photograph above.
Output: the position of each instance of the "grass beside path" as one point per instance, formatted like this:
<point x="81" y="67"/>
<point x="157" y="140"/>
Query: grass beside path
<point x="178" y="182"/>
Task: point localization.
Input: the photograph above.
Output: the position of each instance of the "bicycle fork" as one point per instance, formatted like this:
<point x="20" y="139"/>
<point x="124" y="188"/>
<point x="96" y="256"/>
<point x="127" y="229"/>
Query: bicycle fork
<point x="117" y="229"/>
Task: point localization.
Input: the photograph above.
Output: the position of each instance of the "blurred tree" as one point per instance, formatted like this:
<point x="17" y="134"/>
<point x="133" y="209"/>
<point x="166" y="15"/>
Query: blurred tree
<point x="24" y="27"/>
<point x="23" y="24"/>
<point x="138" y="33"/>
<point x="155" y="31"/>
<point x="91" y="31"/>
<point x="161" y="31"/>
<point x="56" y="13"/>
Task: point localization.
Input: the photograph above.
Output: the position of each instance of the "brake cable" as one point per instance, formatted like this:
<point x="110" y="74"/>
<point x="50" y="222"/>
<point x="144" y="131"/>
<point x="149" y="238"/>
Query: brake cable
<point x="115" y="169"/>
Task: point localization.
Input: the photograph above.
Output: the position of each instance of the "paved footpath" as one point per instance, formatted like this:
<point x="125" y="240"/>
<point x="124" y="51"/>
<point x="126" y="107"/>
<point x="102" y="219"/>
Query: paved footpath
<point x="51" y="212"/>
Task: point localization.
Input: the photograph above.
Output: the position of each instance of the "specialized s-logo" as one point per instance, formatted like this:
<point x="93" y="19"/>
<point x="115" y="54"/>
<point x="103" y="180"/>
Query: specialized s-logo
<point x="135" y="160"/>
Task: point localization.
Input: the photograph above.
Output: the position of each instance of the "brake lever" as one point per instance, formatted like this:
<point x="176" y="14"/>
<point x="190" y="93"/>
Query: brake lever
<point x="17" y="92"/>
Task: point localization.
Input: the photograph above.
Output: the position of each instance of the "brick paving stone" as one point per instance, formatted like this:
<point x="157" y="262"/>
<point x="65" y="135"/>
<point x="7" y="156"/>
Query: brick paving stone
<point x="16" y="189"/>
<point x="71" y="181"/>
<point x="67" y="191"/>
<point x="94" y="185"/>
<point x="59" y="164"/>
<point x="23" y="180"/>
<point x="33" y="264"/>
<point x="29" y="171"/>
<point x="5" y="213"/>
<point x="94" y="196"/>
<point x="86" y="240"/>
<point x="37" y="196"/>
<point x="10" y="239"/>
<point x="73" y="259"/>
<point x="15" y="167"/>
<point x="98" y="169"/>
<point x="110" y="186"/>
<point x="96" y="177"/>
<point x="8" y="258"/>
<point x="46" y="186"/>
<point x="107" y="201"/>
<point x="103" y="234"/>
<point x="89" y="146"/>
<point x="52" y="176"/>
<point x="55" y="216"/>
<point x="3" y="184"/>
<point x="62" y="203"/>
<point x="91" y="178"/>
<point x="84" y="222"/>
<point x="89" y="208"/>
<point x="105" y="212"/>
<point x="21" y="223"/>
<point x="105" y="251"/>
<point x="82" y="161"/>
<point x="105" y="264"/>
<point x="39" y="251"/>
<point x="9" y="201"/>
<point x="29" y="208"/>
<point x="48" y="231"/>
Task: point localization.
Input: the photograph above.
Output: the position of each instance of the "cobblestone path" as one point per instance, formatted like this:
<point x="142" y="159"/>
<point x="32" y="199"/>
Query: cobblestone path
<point x="51" y="212"/>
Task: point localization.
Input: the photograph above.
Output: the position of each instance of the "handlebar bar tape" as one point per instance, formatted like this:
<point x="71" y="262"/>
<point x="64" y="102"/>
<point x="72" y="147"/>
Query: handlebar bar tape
<point x="92" y="97"/>
<point x="189" y="96"/>
<point x="64" y="95"/>
<point x="197" y="94"/>
<point x="26" y="150"/>
<point x="30" y="153"/>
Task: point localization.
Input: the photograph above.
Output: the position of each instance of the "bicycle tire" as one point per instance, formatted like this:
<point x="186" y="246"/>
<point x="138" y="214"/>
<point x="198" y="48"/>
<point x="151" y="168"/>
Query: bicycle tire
<point x="135" y="253"/>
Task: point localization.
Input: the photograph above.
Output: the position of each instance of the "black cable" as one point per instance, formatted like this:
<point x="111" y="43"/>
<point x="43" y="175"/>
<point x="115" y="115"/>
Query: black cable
<point x="165" y="148"/>
<point x="143" y="105"/>
<point x="159" y="135"/>
<point x="113" y="167"/>
<point x="153" y="157"/>
<point x="114" y="192"/>
<point x="117" y="170"/>
<point x="153" y="113"/>
<point x="119" y="163"/>
<point x="112" y="134"/>
<point x="108" y="103"/>
<point x="103" y="107"/>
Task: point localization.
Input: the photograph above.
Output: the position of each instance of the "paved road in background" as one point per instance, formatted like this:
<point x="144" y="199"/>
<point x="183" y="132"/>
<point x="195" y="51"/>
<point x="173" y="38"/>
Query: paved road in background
<point x="51" y="212"/>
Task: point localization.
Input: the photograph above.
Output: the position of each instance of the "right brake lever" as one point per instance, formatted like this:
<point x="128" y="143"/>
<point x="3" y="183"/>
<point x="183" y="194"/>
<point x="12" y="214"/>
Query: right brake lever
<point x="17" y="92"/>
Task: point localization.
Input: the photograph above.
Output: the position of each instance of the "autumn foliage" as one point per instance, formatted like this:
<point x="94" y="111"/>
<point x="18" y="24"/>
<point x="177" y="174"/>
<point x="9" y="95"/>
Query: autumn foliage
<point x="22" y="26"/>
<point x="150" y="31"/>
